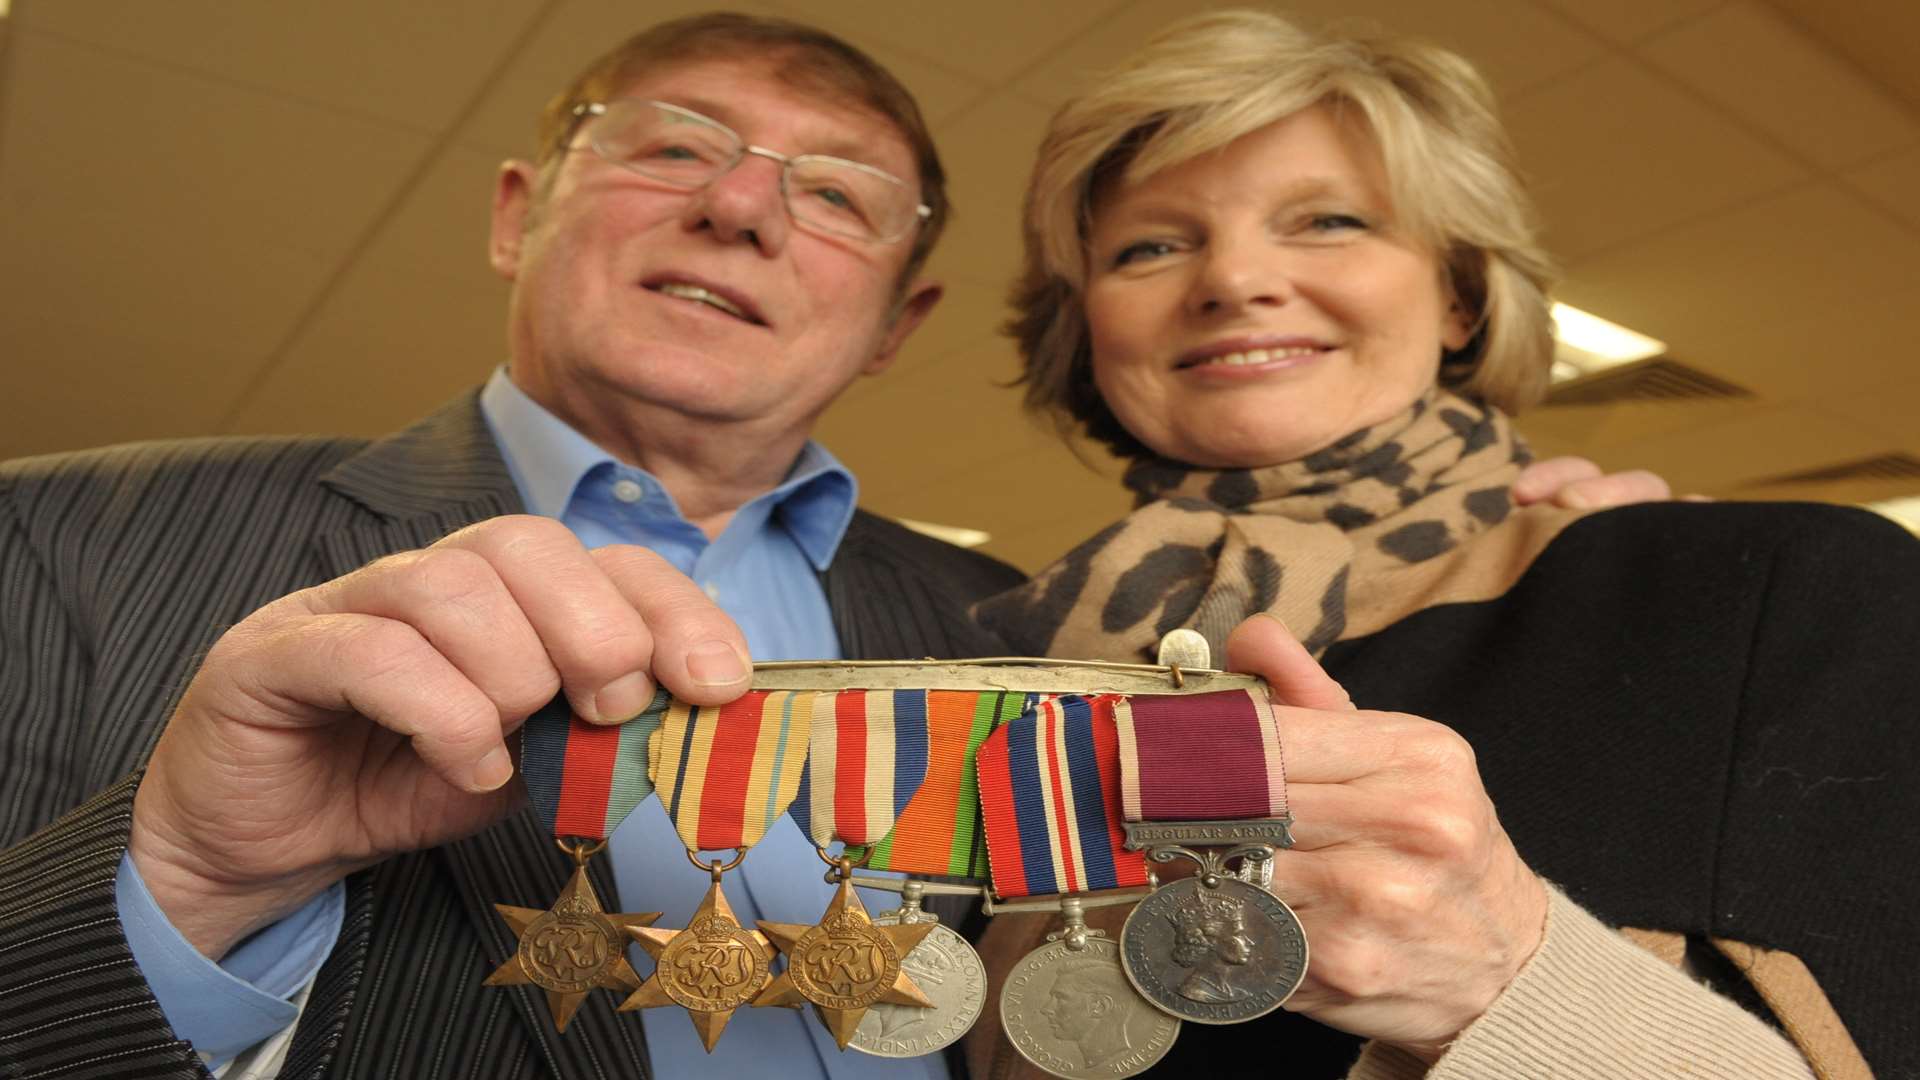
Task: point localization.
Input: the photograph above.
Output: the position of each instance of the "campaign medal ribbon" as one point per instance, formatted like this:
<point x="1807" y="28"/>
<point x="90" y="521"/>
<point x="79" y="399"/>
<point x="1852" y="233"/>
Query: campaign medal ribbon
<point x="725" y="774"/>
<point x="866" y="757"/>
<point x="938" y="831"/>
<point x="1050" y="797"/>
<point x="1206" y="770"/>
<point x="583" y="780"/>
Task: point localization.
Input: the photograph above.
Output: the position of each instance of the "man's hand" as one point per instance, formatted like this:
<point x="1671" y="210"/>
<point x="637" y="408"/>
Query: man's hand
<point x="1578" y="484"/>
<point x="1418" y="911"/>
<point x="366" y="716"/>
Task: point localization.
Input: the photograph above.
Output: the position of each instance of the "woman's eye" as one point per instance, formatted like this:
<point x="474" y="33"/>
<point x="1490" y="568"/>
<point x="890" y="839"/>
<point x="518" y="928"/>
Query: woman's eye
<point x="1144" y="249"/>
<point x="1326" y="223"/>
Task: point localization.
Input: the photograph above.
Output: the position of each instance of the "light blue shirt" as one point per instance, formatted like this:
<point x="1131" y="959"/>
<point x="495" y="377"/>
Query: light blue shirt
<point x="763" y="571"/>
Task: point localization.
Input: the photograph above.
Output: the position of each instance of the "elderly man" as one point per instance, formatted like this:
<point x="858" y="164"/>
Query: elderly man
<point x="273" y="850"/>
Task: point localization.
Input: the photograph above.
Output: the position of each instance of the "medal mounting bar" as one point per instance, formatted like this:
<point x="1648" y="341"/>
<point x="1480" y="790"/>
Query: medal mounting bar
<point x="1011" y="673"/>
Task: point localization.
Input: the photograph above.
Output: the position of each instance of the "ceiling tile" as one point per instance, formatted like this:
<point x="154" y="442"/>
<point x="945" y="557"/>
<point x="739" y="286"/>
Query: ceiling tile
<point x="1764" y="71"/>
<point x="1616" y="153"/>
<point x="1626" y="21"/>
<point x="1771" y="296"/>
<point x="988" y="151"/>
<point x="167" y="270"/>
<point x="1516" y="46"/>
<point x="1880" y="37"/>
<point x="989" y="40"/>
<point x="1891" y="183"/>
<point x="420" y="317"/>
<point x="1718" y="458"/>
<point x="414" y="64"/>
<point x="1597" y="429"/>
<point x="1891" y="408"/>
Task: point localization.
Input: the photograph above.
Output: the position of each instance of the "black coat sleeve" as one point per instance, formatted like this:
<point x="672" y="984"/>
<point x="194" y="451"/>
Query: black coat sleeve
<point x="1820" y="853"/>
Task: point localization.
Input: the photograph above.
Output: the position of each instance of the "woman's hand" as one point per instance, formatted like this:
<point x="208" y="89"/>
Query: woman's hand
<point x="1574" y="483"/>
<point x="1418" y="911"/>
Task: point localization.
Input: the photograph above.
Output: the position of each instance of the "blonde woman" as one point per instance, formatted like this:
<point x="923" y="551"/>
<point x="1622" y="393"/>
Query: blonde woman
<point x="1295" y="278"/>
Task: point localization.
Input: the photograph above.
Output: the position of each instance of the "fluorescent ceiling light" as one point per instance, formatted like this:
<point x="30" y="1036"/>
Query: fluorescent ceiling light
<point x="1585" y="343"/>
<point x="1904" y="510"/>
<point x="952" y="534"/>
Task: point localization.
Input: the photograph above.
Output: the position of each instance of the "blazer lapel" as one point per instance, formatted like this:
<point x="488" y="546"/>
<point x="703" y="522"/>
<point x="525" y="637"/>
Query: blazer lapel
<point x="434" y="478"/>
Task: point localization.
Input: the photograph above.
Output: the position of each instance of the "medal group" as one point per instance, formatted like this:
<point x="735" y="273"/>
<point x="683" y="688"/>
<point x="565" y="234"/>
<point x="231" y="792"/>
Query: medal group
<point x="1029" y="795"/>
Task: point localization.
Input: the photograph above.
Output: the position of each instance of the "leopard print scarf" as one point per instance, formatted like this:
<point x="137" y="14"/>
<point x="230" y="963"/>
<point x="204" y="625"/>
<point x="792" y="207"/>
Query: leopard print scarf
<point x="1338" y="544"/>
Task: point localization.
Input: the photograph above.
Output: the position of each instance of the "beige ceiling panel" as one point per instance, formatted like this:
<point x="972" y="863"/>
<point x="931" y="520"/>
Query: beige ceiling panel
<point x="1626" y="21"/>
<point x="1598" y="430"/>
<point x="1892" y="408"/>
<point x="959" y="337"/>
<point x="990" y="41"/>
<point x="1892" y="183"/>
<point x="160" y="224"/>
<point x="1880" y="37"/>
<point x="409" y="63"/>
<point x="1617" y="153"/>
<point x="951" y="412"/>
<point x="1751" y="62"/>
<point x="1772" y="296"/>
<point x="987" y="152"/>
<point x="1719" y="458"/>
<point x="419" y="317"/>
<point x="1517" y="46"/>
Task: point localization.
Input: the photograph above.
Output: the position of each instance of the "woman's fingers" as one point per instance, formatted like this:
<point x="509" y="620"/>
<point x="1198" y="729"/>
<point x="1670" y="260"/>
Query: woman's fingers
<point x="1263" y="646"/>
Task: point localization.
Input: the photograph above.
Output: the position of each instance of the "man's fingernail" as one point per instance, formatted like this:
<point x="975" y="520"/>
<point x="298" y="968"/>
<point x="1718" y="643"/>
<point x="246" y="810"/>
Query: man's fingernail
<point x="1575" y="500"/>
<point x="622" y="699"/>
<point x="494" y="770"/>
<point x="715" y="663"/>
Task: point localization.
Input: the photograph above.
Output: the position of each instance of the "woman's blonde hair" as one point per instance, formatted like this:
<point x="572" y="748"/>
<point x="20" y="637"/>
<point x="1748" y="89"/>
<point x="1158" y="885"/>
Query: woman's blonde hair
<point x="1208" y="80"/>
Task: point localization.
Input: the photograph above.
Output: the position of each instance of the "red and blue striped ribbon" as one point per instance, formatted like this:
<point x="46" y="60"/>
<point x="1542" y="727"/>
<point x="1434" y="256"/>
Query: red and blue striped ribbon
<point x="866" y="757"/>
<point x="1050" y="797"/>
<point x="1200" y="757"/>
<point x="584" y="779"/>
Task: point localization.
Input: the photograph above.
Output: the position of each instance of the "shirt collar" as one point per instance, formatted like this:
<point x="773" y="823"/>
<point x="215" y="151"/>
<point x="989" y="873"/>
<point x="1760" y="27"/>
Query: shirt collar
<point x="547" y="459"/>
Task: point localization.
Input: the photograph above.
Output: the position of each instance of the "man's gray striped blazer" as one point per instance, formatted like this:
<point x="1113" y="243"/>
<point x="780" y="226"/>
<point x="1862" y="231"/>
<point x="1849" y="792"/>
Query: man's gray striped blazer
<point x="119" y="568"/>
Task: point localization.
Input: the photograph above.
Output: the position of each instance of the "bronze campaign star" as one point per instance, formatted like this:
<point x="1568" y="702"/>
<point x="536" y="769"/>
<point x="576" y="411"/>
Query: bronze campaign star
<point x="845" y="964"/>
<point x="571" y="949"/>
<point x="711" y="968"/>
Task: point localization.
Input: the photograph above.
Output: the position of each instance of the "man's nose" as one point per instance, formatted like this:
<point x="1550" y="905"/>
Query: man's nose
<point x="744" y="203"/>
<point x="1236" y="274"/>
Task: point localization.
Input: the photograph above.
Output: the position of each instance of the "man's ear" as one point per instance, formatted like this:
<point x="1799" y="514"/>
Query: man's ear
<point x="513" y="193"/>
<point x="911" y="312"/>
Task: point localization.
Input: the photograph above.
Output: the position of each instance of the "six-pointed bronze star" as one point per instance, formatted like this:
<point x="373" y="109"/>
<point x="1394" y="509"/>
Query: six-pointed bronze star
<point x="577" y="911"/>
<point x="842" y="1022"/>
<point x="716" y="963"/>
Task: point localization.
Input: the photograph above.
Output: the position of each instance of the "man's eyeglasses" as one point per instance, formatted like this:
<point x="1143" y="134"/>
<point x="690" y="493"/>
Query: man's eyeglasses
<point x="685" y="150"/>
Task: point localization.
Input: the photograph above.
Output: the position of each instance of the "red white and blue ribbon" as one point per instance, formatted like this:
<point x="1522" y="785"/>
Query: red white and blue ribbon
<point x="1050" y="798"/>
<point x="866" y="757"/>
<point x="1200" y="757"/>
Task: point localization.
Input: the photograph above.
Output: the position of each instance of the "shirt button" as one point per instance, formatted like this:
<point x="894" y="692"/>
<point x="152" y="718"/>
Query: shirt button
<point x="712" y="591"/>
<point x="628" y="491"/>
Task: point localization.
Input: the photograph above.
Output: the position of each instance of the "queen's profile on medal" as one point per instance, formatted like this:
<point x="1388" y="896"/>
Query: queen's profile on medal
<point x="1210" y="938"/>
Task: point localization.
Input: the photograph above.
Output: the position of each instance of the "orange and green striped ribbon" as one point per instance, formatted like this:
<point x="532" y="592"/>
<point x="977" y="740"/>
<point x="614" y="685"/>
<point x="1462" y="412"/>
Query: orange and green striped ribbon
<point x="726" y="773"/>
<point x="938" y="831"/>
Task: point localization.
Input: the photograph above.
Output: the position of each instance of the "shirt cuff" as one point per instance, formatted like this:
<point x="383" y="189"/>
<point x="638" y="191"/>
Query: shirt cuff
<point x="1591" y="1004"/>
<point x="224" y="1008"/>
